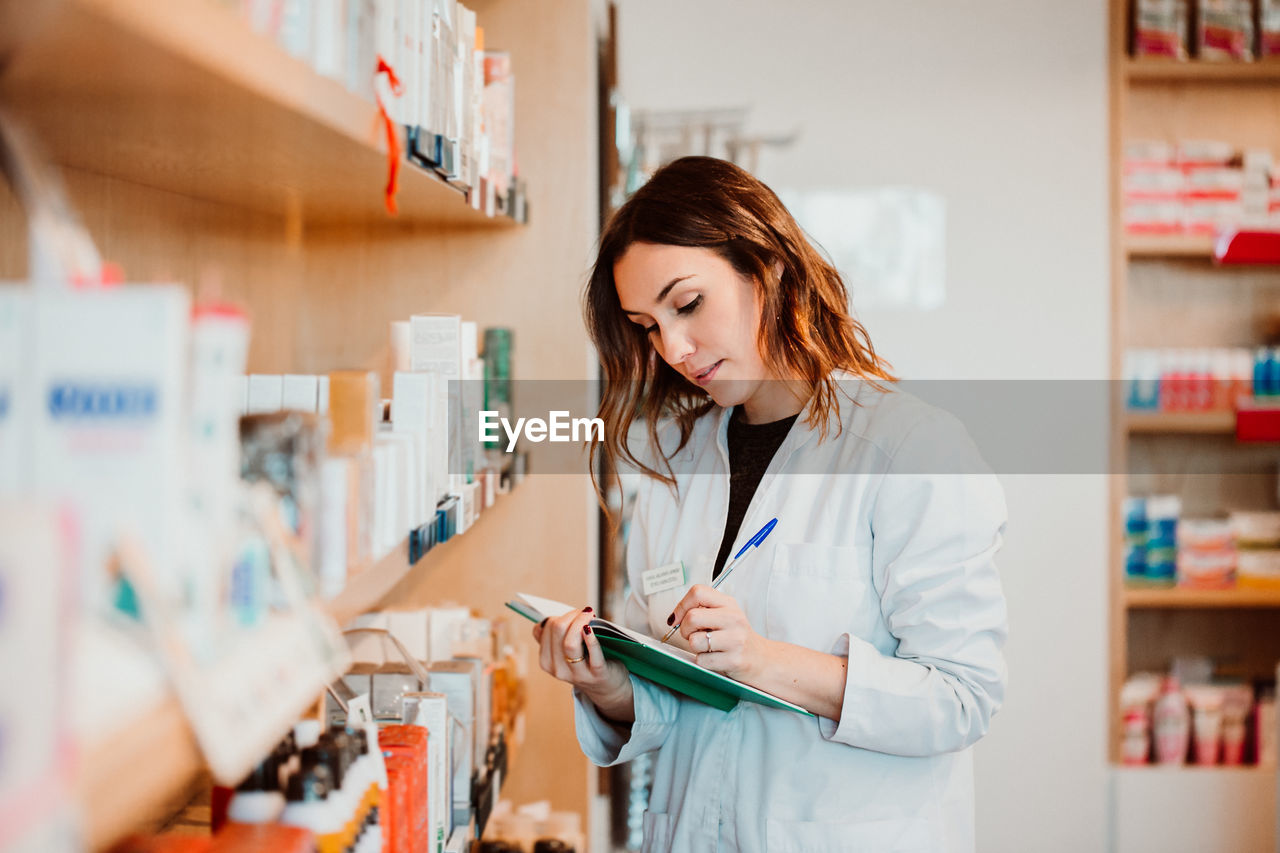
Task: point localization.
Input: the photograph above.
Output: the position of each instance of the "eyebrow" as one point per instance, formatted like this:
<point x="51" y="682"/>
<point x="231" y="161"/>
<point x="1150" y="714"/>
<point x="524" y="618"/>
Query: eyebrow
<point x="662" y="294"/>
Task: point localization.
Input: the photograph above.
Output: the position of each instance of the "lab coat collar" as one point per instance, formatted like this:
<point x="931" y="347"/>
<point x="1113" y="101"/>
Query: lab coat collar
<point x="849" y="389"/>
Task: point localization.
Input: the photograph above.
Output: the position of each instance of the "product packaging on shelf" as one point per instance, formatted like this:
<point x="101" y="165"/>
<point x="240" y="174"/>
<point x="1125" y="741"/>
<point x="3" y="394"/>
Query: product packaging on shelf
<point x="35" y="624"/>
<point x="1257" y="536"/>
<point x="431" y="711"/>
<point x="1268" y="28"/>
<point x="1160" y="28"/>
<point x="219" y="347"/>
<point x="455" y="679"/>
<point x="1206" y="554"/>
<point x="1224" y="30"/>
<point x="437" y="348"/>
<point x="110" y="366"/>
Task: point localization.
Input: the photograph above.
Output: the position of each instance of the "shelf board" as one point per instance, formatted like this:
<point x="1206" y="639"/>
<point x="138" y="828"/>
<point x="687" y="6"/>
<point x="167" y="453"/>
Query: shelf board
<point x="1139" y="71"/>
<point x="1190" y="423"/>
<point x="1169" y="246"/>
<point x="117" y="792"/>
<point x="183" y="97"/>
<point x="1176" y="598"/>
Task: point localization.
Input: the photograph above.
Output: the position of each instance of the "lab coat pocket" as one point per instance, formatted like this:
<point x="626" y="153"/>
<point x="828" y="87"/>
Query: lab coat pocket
<point x="818" y="592"/>
<point x="657" y="833"/>
<point x="877" y="836"/>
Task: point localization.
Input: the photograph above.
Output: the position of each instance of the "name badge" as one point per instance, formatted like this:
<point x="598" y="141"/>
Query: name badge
<point x="663" y="578"/>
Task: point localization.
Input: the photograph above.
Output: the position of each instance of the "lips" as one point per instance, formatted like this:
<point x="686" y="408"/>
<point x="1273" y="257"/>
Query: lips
<point x="707" y="374"/>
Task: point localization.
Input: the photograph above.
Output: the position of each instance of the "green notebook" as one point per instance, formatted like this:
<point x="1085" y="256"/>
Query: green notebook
<point x="648" y="658"/>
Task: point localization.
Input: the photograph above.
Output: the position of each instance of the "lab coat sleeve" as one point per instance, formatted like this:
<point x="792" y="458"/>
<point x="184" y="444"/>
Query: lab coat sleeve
<point x="938" y="520"/>
<point x="606" y="743"/>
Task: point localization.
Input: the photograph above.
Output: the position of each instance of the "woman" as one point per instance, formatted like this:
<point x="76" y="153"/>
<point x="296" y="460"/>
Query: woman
<point x="874" y="604"/>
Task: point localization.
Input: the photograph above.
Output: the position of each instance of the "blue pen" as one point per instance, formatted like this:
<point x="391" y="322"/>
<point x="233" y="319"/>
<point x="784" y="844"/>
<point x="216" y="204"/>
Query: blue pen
<point x="724" y="573"/>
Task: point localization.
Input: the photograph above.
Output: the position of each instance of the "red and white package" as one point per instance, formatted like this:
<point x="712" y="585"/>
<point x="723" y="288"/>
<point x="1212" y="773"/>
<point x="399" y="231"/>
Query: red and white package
<point x="1224" y="30"/>
<point x="1160" y="28"/>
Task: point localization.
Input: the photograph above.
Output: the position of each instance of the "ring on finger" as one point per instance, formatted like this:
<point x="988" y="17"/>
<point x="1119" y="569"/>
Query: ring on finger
<point x="709" y="649"/>
<point x="568" y="659"/>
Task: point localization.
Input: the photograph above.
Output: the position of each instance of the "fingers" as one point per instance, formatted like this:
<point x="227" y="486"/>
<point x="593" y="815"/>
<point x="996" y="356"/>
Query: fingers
<point x="707" y="619"/>
<point x="571" y="642"/>
<point x="700" y="595"/>
<point x="595" y="654"/>
<point x="716" y="661"/>
<point x="537" y="631"/>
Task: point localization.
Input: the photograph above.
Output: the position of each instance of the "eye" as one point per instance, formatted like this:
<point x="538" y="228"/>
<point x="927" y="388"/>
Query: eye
<point x="690" y="307"/>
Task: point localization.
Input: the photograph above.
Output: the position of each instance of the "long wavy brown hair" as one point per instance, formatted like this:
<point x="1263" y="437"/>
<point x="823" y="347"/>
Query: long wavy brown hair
<point x="713" y="204"/>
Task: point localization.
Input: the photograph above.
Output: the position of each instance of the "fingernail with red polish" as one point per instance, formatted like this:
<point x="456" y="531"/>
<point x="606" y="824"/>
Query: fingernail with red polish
<point x="586" y="610"/>
<point x="543" y="623"/>
<point x="671" y="620"/>
<point x="586" y="629"/>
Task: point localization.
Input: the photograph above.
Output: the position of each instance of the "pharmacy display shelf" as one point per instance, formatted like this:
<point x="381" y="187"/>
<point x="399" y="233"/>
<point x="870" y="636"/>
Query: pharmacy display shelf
<point x="1200" y="423"/>
<point x="1139" y="71"/>
<point x="183" y="96"/>
<point x="1169" y="598"/>
<point x="118" y="791"/>
<point x="1169" y="246"/>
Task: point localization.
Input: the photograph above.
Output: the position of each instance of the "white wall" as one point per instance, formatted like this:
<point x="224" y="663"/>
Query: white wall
<point x="1001" y="107"/>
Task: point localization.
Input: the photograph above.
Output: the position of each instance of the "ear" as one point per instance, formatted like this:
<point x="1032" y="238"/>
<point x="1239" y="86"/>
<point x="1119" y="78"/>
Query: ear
<point x="777" y="270"/>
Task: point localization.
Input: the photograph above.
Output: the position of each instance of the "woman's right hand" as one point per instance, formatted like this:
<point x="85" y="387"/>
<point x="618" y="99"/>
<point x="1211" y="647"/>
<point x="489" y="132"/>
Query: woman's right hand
<point x="568" y="650"/>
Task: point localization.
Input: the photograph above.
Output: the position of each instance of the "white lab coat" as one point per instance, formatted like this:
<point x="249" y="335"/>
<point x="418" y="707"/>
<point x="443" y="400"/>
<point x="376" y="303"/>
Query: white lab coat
<point x="883" y="552"/>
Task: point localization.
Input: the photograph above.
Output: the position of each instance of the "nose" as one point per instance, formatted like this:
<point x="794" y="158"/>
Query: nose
<point x="676" y="347"/>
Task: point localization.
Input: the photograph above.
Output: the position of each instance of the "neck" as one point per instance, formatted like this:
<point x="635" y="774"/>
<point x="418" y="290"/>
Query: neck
<point x="775" y="400"/>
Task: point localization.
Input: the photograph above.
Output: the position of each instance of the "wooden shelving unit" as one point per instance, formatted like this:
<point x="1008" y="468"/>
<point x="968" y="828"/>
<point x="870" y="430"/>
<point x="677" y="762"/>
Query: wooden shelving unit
<point x="1185" y="423"/>
<point x="1156" y="279"/>
<point x="1176" y="598"/>
<point x="199" y="152"/>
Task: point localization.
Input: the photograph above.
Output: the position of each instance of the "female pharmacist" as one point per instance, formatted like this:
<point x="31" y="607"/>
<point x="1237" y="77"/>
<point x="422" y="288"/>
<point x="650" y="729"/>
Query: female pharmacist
<point x="874" y="603"/>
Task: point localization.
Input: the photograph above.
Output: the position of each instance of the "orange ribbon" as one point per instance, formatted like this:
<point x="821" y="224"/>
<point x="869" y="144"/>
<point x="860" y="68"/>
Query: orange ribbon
<point x="393" y="138"/>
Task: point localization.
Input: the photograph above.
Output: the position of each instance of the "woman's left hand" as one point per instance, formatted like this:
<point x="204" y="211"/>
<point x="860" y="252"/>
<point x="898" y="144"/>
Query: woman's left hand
<point x="718" y="632"/>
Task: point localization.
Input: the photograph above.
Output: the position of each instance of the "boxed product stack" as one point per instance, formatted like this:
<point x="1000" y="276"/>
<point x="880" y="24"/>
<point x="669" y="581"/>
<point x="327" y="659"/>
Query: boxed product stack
<point x="1206" y="554"/>
<point x="1257" y="536"/>
<point x="1197" y="187"/>
<point x="1151" y="539"/>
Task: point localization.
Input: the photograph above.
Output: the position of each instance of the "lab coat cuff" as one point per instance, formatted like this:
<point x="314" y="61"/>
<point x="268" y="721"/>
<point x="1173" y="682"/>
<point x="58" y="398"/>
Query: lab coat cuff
<point x="862" y="658"/>
<point x="606" y="743"/>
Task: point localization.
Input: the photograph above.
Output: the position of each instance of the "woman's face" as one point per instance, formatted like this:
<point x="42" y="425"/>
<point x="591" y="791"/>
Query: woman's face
<point x="702" y="317"/>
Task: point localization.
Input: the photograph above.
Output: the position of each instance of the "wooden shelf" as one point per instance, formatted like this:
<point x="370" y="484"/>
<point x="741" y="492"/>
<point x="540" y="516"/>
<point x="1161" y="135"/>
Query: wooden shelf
<point x="1173" y="246"/>
<point x="1190" y="423"/>
<point x="118" y="792"/>
<point x="182" y="96"/>
<point x="1139" y="71"/>
<point x="1176" y="598"/>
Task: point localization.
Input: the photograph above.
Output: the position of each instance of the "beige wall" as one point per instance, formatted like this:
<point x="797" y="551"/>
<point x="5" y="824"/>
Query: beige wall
<point x="1001" y="108"/>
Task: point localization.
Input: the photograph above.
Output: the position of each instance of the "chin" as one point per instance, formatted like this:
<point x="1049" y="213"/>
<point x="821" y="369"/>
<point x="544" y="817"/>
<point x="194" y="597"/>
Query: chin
<point x="727" y="393"/>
